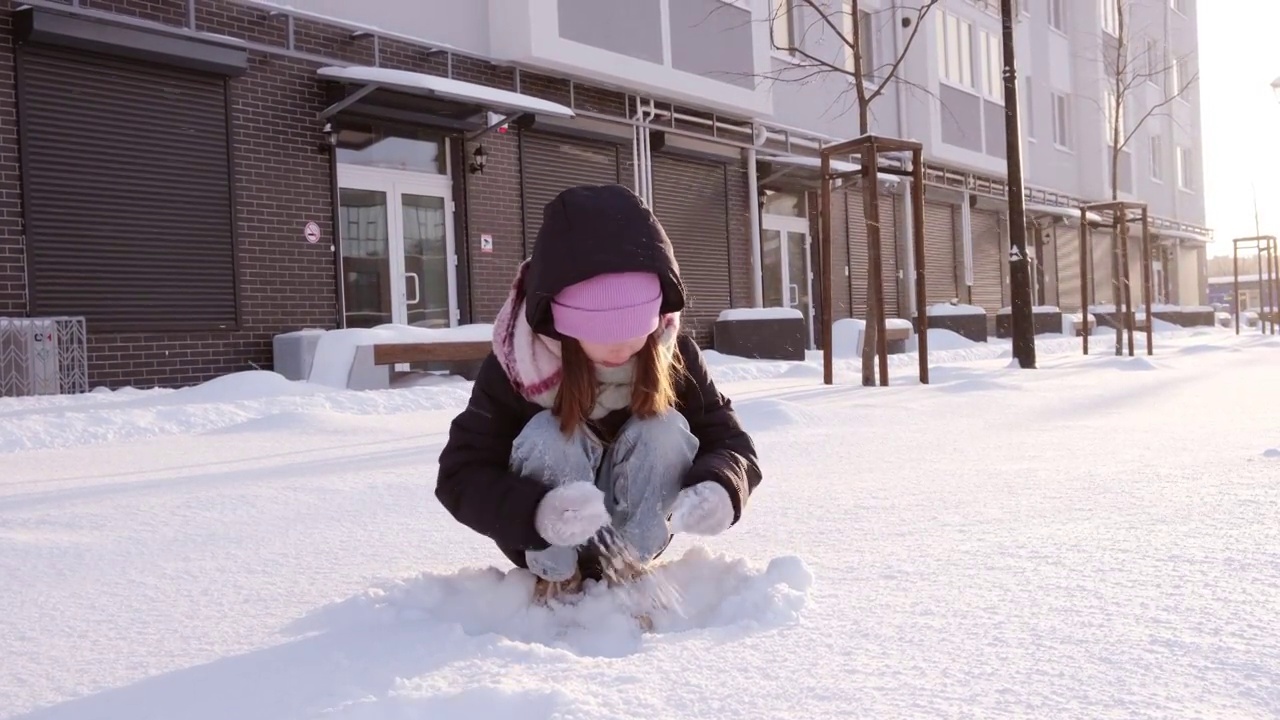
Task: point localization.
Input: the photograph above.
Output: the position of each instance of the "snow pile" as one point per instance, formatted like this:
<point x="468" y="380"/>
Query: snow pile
<point x="250" y="402"/>
<point x="846" y="338"/>
<point x="770" y="313"/>
<point x="730" y="369"/>
<point x="1038" y="310"/>
<point x="954" y="308"/>
<point x="1071" y="321"/>
<point x="699" y="591"/>
<point x="765" y="414"/>
<point x="941" y="340"/>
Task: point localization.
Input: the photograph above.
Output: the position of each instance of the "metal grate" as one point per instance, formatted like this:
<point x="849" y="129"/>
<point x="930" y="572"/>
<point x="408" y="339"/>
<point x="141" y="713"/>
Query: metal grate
<point x="43" y="356"/>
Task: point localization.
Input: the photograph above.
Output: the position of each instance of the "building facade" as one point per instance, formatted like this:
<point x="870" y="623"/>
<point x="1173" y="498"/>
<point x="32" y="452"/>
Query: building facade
<point x="194" y="177"/>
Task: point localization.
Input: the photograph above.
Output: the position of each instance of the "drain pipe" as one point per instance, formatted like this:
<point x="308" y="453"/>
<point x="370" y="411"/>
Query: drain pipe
<point x="635" y="146"/>
<point x="642" y="173"/>
<point x="966" y="240"/>
<point x="907" y="253"/>
<point x="648" y="156"/>
<point x="757" y="253"/>
<point x="908" y="235"/>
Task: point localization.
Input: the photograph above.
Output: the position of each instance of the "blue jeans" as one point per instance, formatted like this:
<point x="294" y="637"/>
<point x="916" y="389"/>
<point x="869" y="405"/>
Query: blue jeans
<point x="640" y="475"/>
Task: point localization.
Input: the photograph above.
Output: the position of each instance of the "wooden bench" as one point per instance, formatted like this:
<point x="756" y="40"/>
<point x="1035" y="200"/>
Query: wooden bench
<point x="372" y="368"/>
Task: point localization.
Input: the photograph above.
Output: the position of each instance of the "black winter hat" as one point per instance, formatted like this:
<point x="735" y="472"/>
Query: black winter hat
<point x="591" y="230"/>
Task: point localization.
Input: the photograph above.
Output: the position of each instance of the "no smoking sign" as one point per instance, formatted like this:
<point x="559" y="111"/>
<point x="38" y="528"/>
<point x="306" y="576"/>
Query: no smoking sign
<point x="311" y="232"/>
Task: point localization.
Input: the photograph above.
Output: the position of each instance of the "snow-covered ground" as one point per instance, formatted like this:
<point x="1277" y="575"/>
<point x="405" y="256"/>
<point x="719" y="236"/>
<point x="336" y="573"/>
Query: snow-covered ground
<point x="1098" y="538"/>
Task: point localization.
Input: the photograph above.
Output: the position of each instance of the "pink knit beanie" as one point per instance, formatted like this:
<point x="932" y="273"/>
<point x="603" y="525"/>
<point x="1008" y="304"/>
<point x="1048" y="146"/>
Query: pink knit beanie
<point x="609" y="308"/>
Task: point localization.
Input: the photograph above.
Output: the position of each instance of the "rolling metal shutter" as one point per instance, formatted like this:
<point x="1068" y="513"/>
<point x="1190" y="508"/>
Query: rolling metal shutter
<point x="889" y="250"/>
<point x="550" y="164"/>
<point x="940" y="252"/>
<point x="842" y="269"/>
<point x="690" y="198"/>
<point x="1100" y="273"/>
<point x="860" y="253"/>
<point x="1067" y="242"/>
<point x="856" y="230"/>
<point x="987" y="291"/>
<point x="127" y="191"/>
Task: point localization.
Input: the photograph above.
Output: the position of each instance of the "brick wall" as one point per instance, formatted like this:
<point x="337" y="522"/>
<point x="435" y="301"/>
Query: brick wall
<point x="12" y="270"/>
<point x="494" y="207"/>
<point x="282" y="180"/>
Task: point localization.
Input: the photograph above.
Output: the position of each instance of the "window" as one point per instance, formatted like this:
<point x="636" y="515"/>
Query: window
<point x="866" y="46"/>
<point x="416" y="150"/>
<point x="1029" y="108"/>
<point x="783" y="29"/>
<point x="1157" y="158"/>
<point x="1061" y="121"/>
<point x="847" y="29"/>
<point x="1111" y="17"/>
<point x="1182" y="76"/>
<point x="1154" y="62"/>
<point x="1057" y="18"/>
<point x="1184" y="168"/>
<point x="1114" y="113"/>
<point x="992" y="66"/>
<point x="955" y="50"/>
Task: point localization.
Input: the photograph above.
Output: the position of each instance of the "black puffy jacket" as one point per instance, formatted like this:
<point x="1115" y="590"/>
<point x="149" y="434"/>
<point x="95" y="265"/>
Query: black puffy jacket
<point x="586" y="231"/>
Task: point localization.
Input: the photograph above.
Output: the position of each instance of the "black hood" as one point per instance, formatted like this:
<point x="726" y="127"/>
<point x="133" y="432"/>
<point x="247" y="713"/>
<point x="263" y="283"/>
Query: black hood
<point x="590" y="230"/>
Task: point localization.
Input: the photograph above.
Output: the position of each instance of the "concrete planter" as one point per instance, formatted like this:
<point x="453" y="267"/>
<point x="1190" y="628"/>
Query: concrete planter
<point x="762" y="334"/>
<point x="1186" y="317"/>
<point x="1048" y="321"/>
<point x="967" y="321"/>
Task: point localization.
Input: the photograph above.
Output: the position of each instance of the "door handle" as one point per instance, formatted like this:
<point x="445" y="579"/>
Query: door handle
<point x="793" y="292"/>
<point x="417" y="293"/>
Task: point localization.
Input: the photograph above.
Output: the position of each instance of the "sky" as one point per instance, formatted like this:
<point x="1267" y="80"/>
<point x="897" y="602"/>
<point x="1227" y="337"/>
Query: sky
<point x="1239" y="57"/>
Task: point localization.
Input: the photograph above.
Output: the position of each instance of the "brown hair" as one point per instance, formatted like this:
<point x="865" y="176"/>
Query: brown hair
<point x="653" y="390"/>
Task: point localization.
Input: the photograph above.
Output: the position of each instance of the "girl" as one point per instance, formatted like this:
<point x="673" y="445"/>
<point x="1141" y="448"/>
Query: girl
<point x="594" y="431"/>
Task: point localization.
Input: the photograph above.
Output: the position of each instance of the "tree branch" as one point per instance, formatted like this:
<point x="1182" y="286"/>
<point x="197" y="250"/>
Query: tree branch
<point x="915" y="30"/>
<point x="1154" y="108"/>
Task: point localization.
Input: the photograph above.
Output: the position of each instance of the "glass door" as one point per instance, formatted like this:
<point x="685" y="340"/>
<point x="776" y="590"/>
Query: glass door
<point x="788" y="275"/>
<point x="366" y="256"/>
<point x="799" y="277"/>
<point x="397" y="248"/>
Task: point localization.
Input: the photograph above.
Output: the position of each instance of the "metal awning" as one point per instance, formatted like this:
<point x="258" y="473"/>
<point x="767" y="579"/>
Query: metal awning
<point x="504" y="102"/>
<point x="1062" y="212"/>
<point x="808" y="162"/>
<point x="1182" y="235"/>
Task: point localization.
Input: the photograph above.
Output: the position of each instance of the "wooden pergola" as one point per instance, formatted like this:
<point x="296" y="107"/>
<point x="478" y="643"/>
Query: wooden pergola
<point x="1120" y="213"/>
<point x="869" y="148"/>
<point x="1268" y="282"/>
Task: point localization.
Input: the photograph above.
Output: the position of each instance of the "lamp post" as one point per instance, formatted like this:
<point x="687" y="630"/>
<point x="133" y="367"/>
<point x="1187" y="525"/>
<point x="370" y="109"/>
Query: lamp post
<point x="1021" y="306"/>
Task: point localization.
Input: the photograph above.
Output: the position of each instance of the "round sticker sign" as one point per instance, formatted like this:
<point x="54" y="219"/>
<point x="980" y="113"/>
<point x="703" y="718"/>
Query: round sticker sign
<point x="312" y="233"/>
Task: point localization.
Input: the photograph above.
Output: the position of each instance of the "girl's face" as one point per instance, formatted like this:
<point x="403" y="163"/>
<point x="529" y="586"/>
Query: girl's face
<point x="613" y="354"/>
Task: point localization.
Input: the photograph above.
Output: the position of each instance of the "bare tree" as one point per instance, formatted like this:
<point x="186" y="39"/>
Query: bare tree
<point x="1127" y="72"/>
<point x="844" y="23"/>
